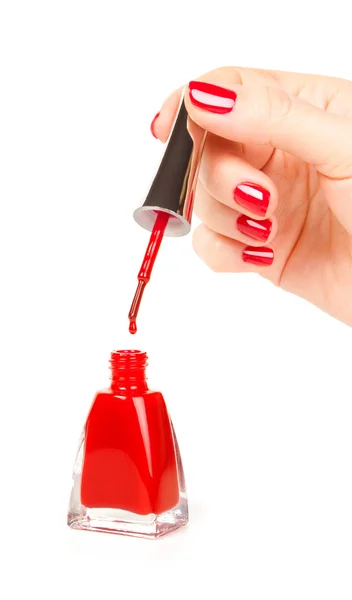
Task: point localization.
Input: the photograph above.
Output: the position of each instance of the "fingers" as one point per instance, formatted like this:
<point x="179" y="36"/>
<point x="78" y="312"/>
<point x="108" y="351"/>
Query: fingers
<point x="327" y="93"/>
<point x="321" y="91"/>
<point x="308" y="116"/>
<point x="163" y="121"/>
<point x="231" y="223"/>
<point x="233" y="181"/>
<point x="331" y="94"/>
<point x="236" y="203"/>
<point x="269" y="115"/>
<point x="226" y="255"/>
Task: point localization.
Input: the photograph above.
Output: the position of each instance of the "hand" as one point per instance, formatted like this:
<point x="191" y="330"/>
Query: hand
<point x="275" y="185"/>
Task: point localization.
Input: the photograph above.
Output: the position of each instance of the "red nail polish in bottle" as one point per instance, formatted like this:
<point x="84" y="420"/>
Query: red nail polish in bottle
<point x="128" y="476"/>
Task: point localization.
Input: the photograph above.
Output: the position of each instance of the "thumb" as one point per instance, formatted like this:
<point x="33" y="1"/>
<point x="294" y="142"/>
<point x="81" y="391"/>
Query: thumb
<point x="269" y="115"/>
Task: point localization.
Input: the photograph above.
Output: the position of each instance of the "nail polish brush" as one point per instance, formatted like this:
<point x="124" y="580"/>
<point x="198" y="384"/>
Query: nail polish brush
<point x="168" y="207"/>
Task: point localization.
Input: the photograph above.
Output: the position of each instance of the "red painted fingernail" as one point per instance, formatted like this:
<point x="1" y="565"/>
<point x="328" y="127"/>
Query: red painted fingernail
<point x="253" y="197"/>
<point x="153" y="123"/>
<point x="211" y="97"/>
<point x="258" y="256"/>
<point x="258" y="230"/>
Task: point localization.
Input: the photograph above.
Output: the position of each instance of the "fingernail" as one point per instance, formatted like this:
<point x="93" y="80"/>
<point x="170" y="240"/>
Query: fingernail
<point x="258" y="230"/>
<point x="258" y="256"/>
<point x="253" y="197"/>
<point x="153" y="123"/>
<point x="211" y="97"/>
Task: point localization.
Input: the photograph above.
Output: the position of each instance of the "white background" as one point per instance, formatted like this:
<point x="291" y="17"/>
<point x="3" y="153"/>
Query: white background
<point x="258" y="382"/>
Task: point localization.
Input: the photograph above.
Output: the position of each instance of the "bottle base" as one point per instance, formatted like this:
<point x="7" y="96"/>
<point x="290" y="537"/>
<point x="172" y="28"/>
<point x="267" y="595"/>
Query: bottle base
<point x="123" y="522"/>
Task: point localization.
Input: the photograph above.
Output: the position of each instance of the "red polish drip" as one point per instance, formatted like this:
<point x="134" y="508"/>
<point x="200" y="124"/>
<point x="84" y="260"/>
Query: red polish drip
<point x="133" y="327"/>
<point x="130" y="456"/>
<point x="147" y="266"/>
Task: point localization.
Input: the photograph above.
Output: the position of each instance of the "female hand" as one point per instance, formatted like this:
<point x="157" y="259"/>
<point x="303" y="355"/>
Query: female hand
<point x="275" y="185"/>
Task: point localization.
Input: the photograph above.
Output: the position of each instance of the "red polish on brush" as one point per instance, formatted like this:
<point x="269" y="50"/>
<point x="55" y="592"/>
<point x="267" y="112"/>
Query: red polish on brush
<point x="147" y="266"/>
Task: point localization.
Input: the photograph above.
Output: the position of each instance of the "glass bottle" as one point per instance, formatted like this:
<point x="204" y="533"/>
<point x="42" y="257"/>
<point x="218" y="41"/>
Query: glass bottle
<point x="128" y="476"/>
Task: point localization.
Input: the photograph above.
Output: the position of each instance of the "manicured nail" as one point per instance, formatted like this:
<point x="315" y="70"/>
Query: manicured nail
<point x="258" y="256"/>
<point x="153" y="123"/>
<point x="253" y="197"/>
<point x="258" y="230"/>
<point x="211" y="97"/>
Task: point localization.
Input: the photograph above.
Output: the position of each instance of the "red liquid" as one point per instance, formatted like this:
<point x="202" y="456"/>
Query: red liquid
<point x="147" y="266"/>
<point x="132" y="327"/>
<point x="129" y="460"/>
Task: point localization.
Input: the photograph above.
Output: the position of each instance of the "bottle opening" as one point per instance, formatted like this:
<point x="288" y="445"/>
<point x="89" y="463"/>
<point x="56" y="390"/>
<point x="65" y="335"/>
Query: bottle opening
<point x="127" y="352"/>
<point x="127" y="360"/>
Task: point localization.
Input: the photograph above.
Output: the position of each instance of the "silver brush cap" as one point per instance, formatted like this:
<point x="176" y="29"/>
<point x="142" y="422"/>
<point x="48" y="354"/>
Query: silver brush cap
<point x="173" y="188"/>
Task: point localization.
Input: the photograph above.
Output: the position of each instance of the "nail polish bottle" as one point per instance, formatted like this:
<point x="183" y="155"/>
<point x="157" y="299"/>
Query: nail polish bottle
<point x="128" y="476"/>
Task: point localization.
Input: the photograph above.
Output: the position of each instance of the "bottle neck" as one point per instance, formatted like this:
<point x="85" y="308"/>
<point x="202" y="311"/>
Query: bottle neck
<point x="128" y="371"/>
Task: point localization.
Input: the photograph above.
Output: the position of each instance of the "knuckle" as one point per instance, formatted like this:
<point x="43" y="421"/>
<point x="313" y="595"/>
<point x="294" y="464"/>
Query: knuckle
<point x="277" y="105"/>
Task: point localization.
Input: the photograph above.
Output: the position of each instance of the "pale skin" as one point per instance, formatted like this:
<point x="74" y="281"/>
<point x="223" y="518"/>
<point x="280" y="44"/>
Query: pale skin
<point x="291" y="134"/>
